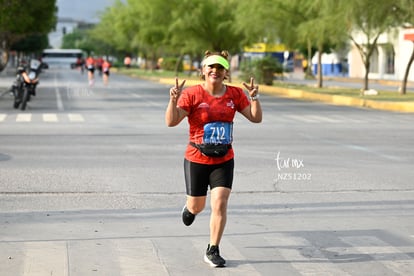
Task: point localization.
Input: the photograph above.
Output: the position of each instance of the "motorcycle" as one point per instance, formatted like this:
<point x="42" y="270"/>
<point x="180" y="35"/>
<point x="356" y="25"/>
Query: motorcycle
<point x="17" y="86"/>
<point x="25" y="84"/>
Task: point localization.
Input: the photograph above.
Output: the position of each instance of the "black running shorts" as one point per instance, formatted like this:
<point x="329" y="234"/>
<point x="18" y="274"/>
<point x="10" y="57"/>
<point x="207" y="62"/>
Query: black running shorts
<point x="199" y="176"/>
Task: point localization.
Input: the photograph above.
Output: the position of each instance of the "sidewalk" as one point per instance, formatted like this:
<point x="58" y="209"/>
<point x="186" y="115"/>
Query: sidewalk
<point x="6" y="78"/>
<point x="345" y="100"/>
<point x="339" y="99"/>
<point x="6" y="81"/>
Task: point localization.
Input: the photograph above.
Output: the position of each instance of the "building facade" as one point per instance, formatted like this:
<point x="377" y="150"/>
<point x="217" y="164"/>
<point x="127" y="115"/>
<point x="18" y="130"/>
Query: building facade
<point x="390" y="58"/>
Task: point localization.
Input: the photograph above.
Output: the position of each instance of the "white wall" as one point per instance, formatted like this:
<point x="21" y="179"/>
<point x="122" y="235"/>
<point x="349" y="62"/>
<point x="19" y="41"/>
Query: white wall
<point x="402" y="49"/>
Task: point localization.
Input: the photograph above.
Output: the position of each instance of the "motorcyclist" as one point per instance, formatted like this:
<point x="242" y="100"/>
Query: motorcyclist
<point x="22" y="71"/>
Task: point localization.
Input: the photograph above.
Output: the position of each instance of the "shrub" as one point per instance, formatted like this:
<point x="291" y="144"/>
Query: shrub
<point x="262" y="69"/>
<point x="170" y="63"/>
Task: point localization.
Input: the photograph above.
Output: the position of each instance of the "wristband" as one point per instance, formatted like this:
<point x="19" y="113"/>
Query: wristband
<point x="255" y="98"/>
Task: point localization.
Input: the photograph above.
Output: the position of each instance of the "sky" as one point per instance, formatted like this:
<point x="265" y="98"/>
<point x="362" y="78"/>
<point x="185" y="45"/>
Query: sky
<point x="82" y="10"/>
<point x="79" y="10"/>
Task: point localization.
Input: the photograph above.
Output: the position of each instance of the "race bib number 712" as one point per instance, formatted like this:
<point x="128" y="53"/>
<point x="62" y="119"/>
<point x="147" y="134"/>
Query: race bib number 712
<point x="218" y="133"/>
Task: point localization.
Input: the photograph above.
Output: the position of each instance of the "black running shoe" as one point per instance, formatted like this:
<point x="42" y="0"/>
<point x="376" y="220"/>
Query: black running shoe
<point x="213" y="257"/>
<point x="188" y="217"/>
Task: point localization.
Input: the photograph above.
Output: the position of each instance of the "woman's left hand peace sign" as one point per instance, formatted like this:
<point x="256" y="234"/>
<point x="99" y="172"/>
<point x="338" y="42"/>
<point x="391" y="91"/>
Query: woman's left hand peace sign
<point x="175" y="91"/>
<point x="252" y="88"/>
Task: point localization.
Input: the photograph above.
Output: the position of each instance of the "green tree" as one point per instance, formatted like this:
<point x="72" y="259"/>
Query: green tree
<point x="31" y="44"/>
<point x="297" y="23"/>
<point x="406" y="10"/>
<point x="200" y="25"/>
<point x="117" y="28"/>
<point x="154" y="19"/>
<point x="75" y="40"/>
<point x="368" y="20"/>
<point x="260" y="21"/>
<point x="137" y="26"/>
<point x="163" y="28"/>
<point x="322" y="29"/>
<point x="206" y="23"/>
<point x="80" y="38"/>
<point x="20" y="18"/>
<point x="158" y="28"/>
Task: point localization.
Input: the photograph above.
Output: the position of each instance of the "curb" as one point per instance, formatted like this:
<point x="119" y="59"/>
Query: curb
<point x="339" y="99"/>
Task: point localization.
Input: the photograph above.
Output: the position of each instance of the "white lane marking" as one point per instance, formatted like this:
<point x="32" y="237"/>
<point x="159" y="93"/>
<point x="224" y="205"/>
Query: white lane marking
<point x="46" y="117"/>
<point x="389" y="256"/>
<point x="75" y="117"/>
<point x="24" y="117"/>
<point x="305" y="257"/>
<point x="59" y="100"/>
<point x="323" y="118"/>
<point x="50" y="117"/>
<point x="301" y="118"/>
<point x="58" y="97"/>
<point x="151" y="103"/>
<point x="371" y="151"/>
<point x="355" y="148"/>
<point x="138" y="257"/>
<point x="45" y="258"/>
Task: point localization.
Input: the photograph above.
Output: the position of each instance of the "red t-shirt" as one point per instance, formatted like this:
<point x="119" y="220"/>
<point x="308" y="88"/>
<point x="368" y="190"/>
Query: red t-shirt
<point x="204" y="108"/>
<point x="90" y="62"/>
<point x="105" y="66"/>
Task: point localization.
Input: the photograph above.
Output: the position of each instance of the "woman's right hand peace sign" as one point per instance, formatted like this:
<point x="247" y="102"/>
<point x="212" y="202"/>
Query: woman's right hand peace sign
<point x="252" y="88"/>
<point x="175" y="92"/>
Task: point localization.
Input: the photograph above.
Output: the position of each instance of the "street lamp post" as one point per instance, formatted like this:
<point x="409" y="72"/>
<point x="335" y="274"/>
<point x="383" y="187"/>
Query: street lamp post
<point x="285" y="59"/>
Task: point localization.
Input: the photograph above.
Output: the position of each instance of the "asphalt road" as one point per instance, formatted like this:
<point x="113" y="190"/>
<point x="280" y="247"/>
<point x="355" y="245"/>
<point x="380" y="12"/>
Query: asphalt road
<point x="91" y="183"/>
